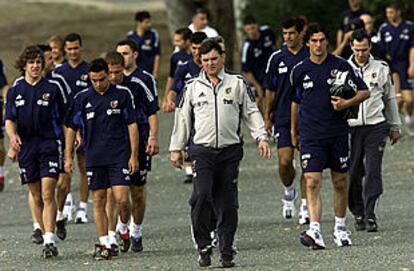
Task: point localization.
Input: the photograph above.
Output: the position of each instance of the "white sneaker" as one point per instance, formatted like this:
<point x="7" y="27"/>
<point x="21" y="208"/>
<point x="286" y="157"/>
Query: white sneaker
<point x="68" y="210"/>
<point x="81" y="217"/>
<point x="288" y="209"/>
<point x="312" y="238"/>
<point x="341" y="237"/>
<point x="303" y="215"/>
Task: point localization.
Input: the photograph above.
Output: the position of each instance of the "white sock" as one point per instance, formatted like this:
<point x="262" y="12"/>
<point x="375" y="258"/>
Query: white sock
<point x="59" y="216"/>
<point x="83" y="205"/>
<point x="123" y="227"/>
<point x="303" y="202"/>
<point x="36" y="226"/>
<point x="188" y="170"/>
<point x="49" y="238"/>
<point x="136" y="230"/>
<point x="69" y="199"/>
<point x="289" y="190"/>
<point x="112" y="237"/>
<point x="104" y="240"/>
<point x="314" y="225"/>
<point x="1" y="171"/>
<point x="339" y="222"/>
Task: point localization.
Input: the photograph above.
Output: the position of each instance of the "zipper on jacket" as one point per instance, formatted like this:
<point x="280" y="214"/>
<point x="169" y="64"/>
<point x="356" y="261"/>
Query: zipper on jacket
<point x="216" y="114"/>
<point x="362" y="103"/>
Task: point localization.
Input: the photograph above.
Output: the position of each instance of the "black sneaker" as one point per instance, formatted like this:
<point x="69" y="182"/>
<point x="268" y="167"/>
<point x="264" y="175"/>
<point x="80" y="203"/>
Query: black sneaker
<point x="188" y="179"/>
<point x="60" y="229"/>
<point x="227" y="261"/>
<point x="124" y="241"/>
<point x="372" y="225"/>
<point x="204" y="256"/>
<point x="115" y="250"/>
<point x="102" y="253"/>
<point x="137" y="244"/>
<point x="49" y="250"/>
<point x="360" y="224"/>
<point x="37" y="237"/>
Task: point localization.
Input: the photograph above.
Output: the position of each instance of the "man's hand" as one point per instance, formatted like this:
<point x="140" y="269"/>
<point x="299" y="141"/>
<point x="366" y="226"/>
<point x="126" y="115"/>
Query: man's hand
<point x="78" y="140"/>
<point x="295" y="139"/>
<point x="168" y="106"/>
<point x="12" y="155"/>
<point x="15" y="142"/>
<point x="394" y="137"/>
<point x="133" y="164"/>
<point x="268" y="126"/>
<point x="338" y="103"/>
<point x="69" y="165"/>
<point x="152" y="147"/>
<point x="176" y="159"/>
<point x="264" y="149"/>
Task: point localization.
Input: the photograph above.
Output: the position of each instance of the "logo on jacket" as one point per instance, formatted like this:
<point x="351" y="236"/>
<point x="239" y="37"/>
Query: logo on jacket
<point x="114" y="104"/>
<point x="46" y="96"/>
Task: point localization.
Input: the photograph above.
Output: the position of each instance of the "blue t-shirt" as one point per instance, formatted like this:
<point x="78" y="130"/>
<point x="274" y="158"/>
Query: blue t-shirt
<point x="76" y="78"/>
<point x="256" y="53"/>
<point x="3" y="79"/>
<point x="177" y="58"/>
<point x="397" y="41"/>
<point x="38" y="110"/>
<point x="148" y="46"/>
<point x="104" y="119"/>
<point x="278" y="70"/>
<point x="348" y="15"/>
<point x="183" y="73"/>
<point x="311" y="85"/>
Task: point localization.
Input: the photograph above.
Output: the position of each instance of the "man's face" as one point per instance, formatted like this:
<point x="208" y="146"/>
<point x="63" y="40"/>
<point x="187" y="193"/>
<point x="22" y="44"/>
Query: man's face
<point x="194" y="50"/>
<point x="99" y="81"/>
<point x="392" y="15"/>
<point x="179" y="42"/>
<point x="33" y="68"/>
<point x="368" y="23"/>
<point x="73" y="50"/>
<point x="128" y="54"/>
<point x="48" y="60"/>
<point x="200" y="20"/>
<point x="212" y="62"/>
<point x="361" y="50"/>
<point x="291" y="36"/>
<point x="116" y="73"/>
<point x="57" y="51"/>
<point x="145" y="24"/>
<point x="318" y="44"/>
<point x="354" y="4"/>
<point x="252" y="31"/>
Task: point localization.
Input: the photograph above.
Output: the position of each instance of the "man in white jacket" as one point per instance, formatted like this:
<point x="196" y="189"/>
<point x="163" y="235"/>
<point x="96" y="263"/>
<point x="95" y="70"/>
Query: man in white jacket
<point x="377" y="119"/>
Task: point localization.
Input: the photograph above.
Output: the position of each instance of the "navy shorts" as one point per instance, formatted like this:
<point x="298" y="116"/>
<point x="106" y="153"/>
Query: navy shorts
<point x="1" y="118"/>
<point x="140" y="178"/>
<point x="282" y="136"/>
<point x="401" y="68"/>
<point x="104" y="177"/>
<point x="318" y="154"/>
<point x="40" y="158"/>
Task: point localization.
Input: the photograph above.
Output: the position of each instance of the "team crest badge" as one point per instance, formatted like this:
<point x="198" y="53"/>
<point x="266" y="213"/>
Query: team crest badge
<point x="305" y="163"/>
<point x="114" y="104"/>
<point x="84" y="77"/>
<point x="374" y="75"/>
<point x="227" y="90"/>
<point x="148" y="42"/>
<point x="334" y="72"/>
<point x="46" y="96"/>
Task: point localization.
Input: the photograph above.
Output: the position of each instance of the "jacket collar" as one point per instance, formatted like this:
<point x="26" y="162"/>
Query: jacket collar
<point x="353" y="63"/>
<point x="204" y="79"/>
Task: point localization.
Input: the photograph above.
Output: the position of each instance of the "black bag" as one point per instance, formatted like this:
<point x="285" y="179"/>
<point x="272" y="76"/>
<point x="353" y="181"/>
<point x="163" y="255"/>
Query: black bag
<point x="343" y="86"/>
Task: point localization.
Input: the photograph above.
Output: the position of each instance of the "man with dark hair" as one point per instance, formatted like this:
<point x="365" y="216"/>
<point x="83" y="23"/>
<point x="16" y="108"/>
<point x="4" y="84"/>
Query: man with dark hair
<point x="75" y="72"/>
<point x="323" y="129"/>
<point x="106" y="113"/>
<point x="148" y="136"/>
<point x="147" y="42"/>
<point x="277" y="113"/>
<point x="34" y="118"/>
<point x="181" y="54"/>
<point x="216" y="148"/>
<point x="378" y="119"/>
<point x="199" y="23"/>
<point x="397" y="38"/>
<point x="3" y="91"/>
<point x="255" y="52"/>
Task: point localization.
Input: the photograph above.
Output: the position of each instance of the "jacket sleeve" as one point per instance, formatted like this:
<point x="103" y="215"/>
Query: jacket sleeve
<point x="390" y="103"/>
<point x="182" y="121"/>
<point x="251" y="115"/>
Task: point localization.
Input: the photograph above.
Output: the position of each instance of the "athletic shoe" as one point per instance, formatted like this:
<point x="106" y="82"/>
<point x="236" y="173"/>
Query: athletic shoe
<point x="227" y="261"/>
<point x="81" y="216"/>
<point x="288" y="209"/>
<point x="136" y="244"/>
<point x="312" y="238"/>
<point x="49" y="250"/>
<point x="125" y="241"/>
<point x="341" y="237"/>
<point x="303" y="215"/>
<point x="37" y="237"/>
<point x="372" y="225"/>
<point x="188" y="179"/>
<point x="1" y="183"/>
<point x="102" y="253"/>
<point x="360" y="224"/>
<point x="60" y="229"/>
<point x="214" y="238"/>
<point x="204" y="256"/>
<point x="114" y="250"/>
<point x="68" y="210"/>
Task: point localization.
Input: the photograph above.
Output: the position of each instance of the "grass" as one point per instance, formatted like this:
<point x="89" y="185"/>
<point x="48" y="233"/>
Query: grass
<point x="265" y="241"/>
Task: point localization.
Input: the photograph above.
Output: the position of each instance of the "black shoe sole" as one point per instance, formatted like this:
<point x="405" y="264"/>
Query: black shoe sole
<point x="309" y="242"/>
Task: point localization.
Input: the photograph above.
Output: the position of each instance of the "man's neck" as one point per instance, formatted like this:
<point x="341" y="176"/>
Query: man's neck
<point x="130" y="70"/>
<point x="396" y="22"/>
<point x="103" y="92"/>
<point x="32" y="81"/>
<point x="361" y="63"/>
<point x="75" y="63"/>
<point x="140" y="31"/>
<point x="318" y="59"/>
<point x="296" y="49"/>
<point x="58" y="60"/>
<point x="197" y="61"/>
